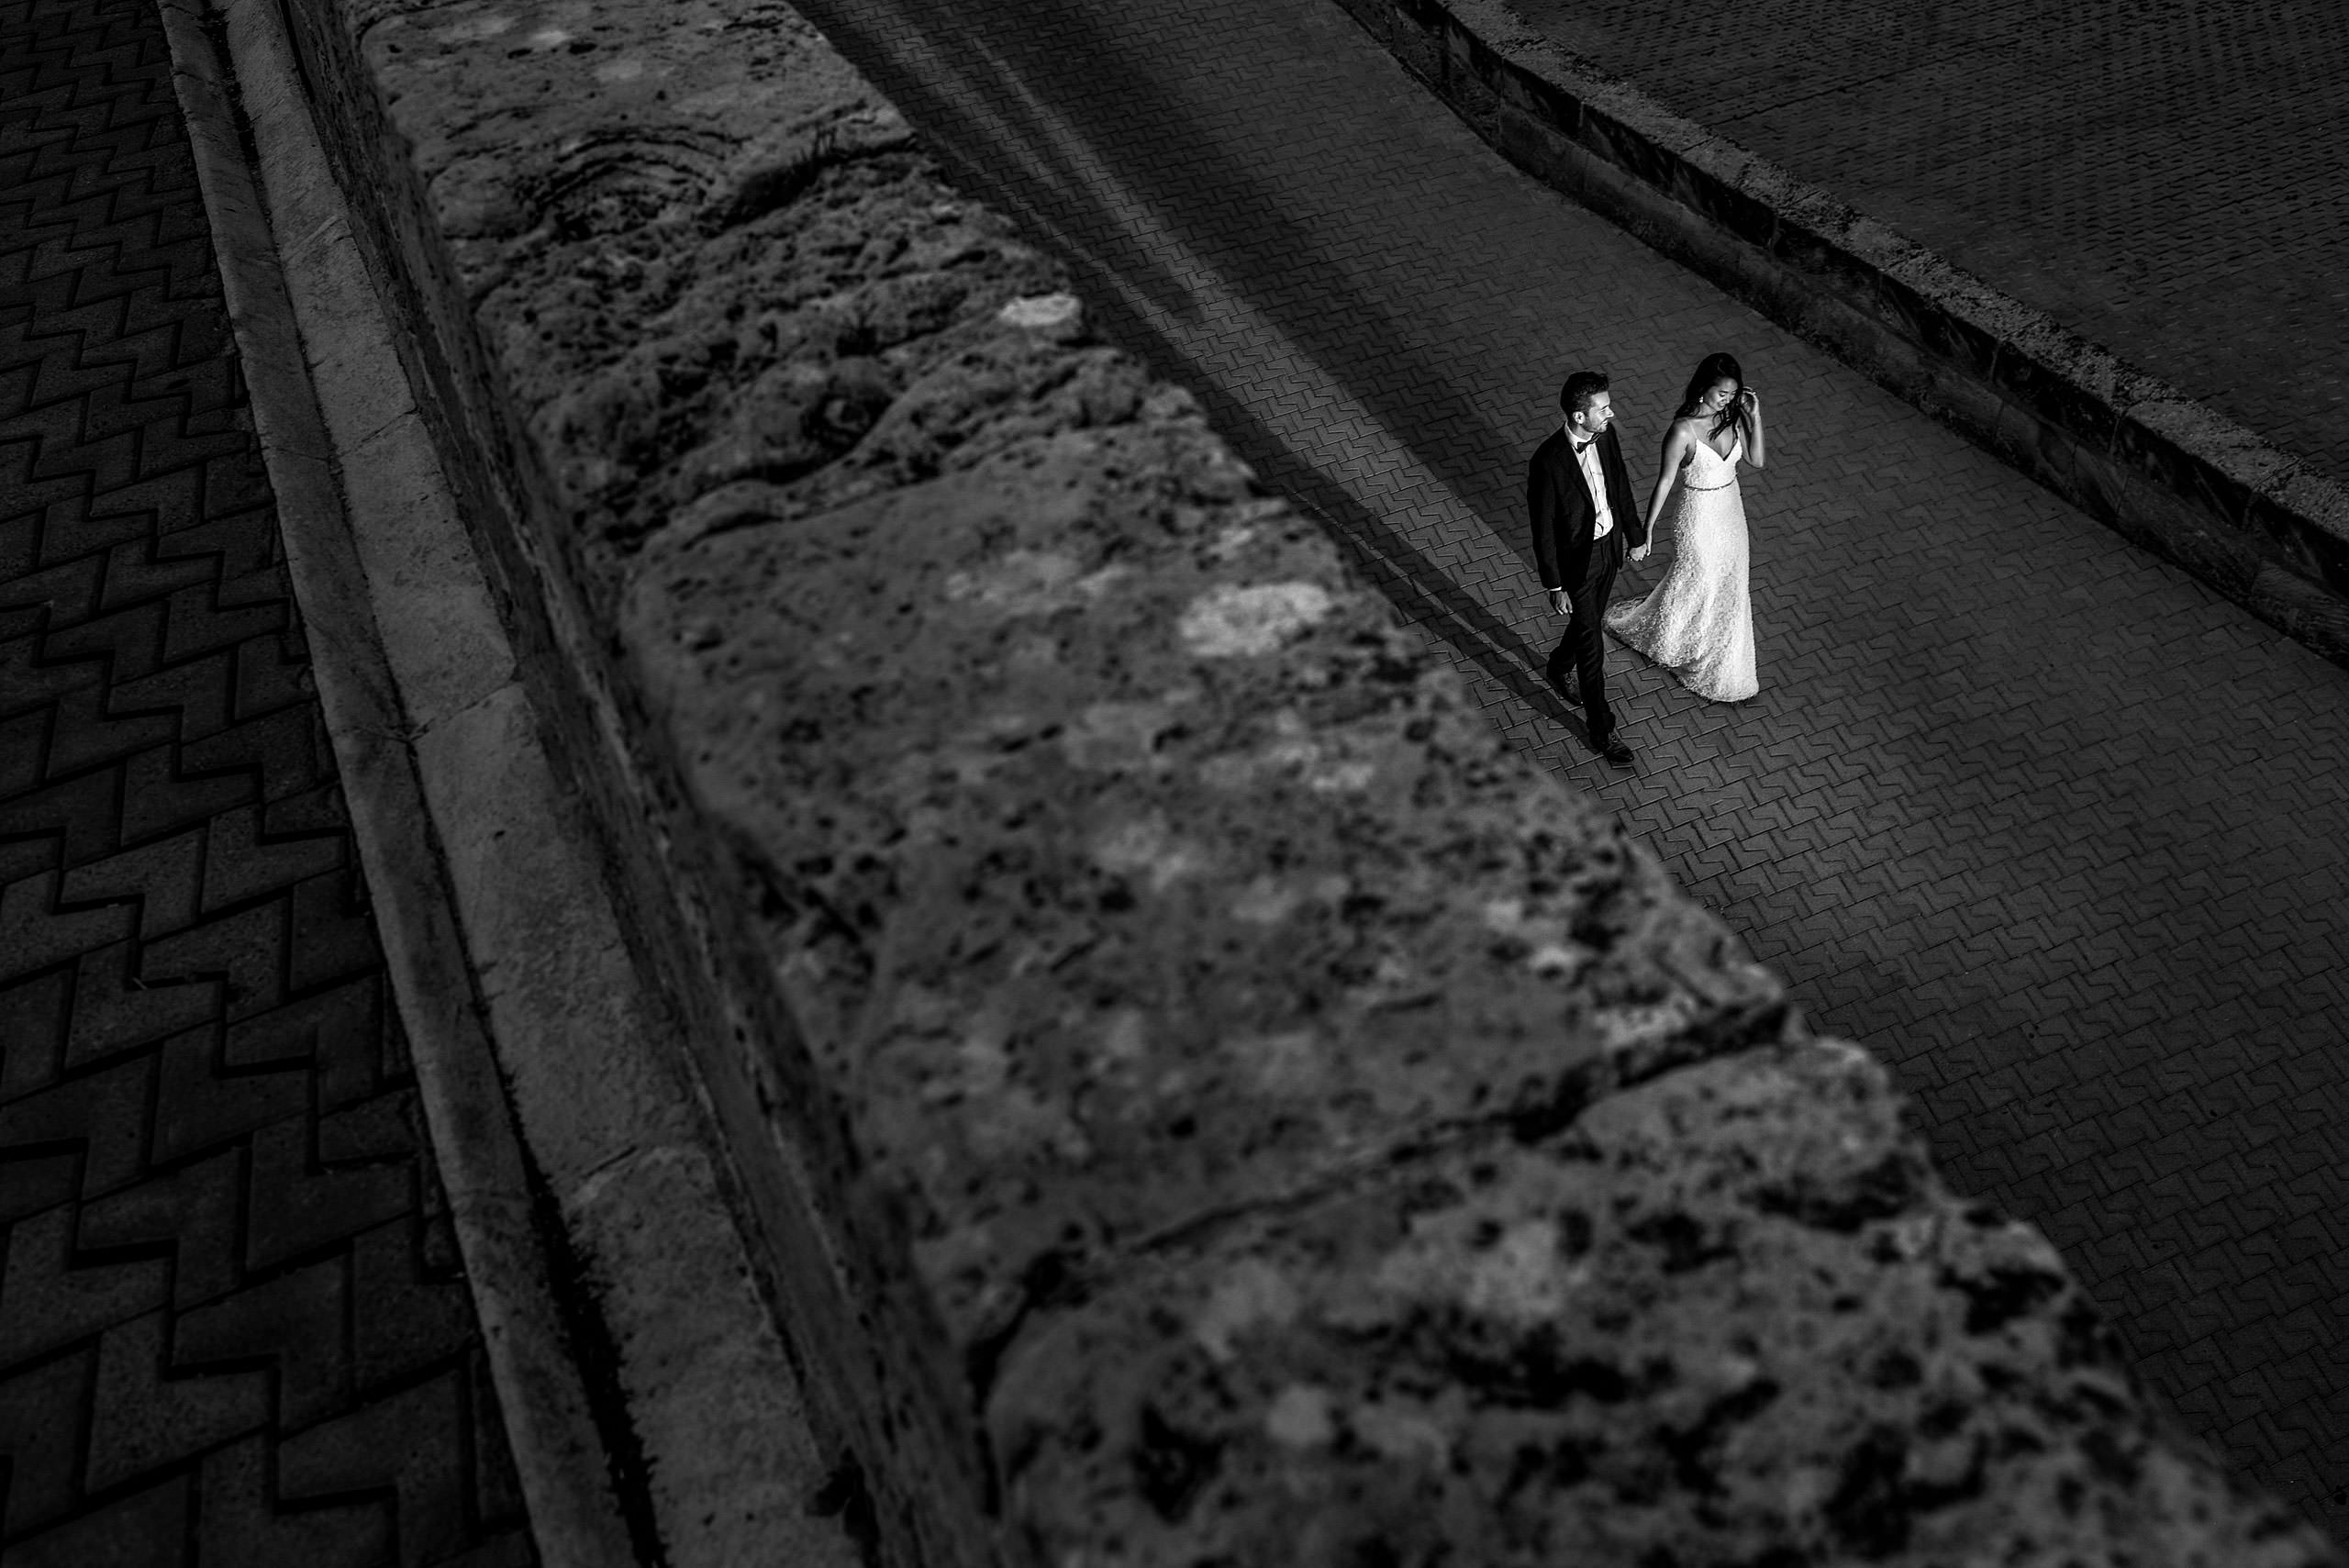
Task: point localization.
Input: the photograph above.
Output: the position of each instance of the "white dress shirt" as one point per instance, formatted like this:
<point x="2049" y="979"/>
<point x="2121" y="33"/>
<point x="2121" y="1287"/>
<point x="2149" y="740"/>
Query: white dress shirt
<point x="1602" y="520"/>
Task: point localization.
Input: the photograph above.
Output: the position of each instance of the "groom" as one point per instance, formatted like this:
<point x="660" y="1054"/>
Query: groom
<point x="1584" y="519"/>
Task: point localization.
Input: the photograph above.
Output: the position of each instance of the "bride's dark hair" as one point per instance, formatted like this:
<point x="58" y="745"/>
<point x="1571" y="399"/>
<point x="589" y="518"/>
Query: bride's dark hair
<point x="1714" y="368"/>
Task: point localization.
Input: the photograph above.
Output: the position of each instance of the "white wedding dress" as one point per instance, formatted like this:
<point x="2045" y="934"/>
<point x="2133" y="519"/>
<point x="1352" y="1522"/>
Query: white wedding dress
<point x="1698" y="623"/>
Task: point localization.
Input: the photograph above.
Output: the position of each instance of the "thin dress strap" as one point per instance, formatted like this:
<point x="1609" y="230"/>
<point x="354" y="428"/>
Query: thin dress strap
<point x="1735" y="446"/>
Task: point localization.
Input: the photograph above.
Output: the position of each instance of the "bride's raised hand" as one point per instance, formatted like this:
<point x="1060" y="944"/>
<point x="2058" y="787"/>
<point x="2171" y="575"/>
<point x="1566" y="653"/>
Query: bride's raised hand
<point x="1751" y="400"/>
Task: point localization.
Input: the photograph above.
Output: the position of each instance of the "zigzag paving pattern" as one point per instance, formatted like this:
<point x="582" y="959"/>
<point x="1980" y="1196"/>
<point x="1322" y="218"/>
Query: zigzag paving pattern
<point x="233" y="1327"/>
<point x="2061" y="834"/>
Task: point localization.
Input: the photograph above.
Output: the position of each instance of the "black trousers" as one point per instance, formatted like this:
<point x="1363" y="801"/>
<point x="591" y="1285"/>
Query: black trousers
<point x="1583" y="649"/>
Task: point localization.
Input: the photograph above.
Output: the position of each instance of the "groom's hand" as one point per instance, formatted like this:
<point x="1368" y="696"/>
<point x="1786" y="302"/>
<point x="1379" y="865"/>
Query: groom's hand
<point x="1559" y="602"/>
<point x="1642" y="553"/>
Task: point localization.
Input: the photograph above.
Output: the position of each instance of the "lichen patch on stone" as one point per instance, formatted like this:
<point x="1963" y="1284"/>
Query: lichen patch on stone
<point x="1040" y="310"/>
<point x="474" y="30"/>
<point x="1515" y="1275"/>
<point x="1265" y="901"/>
<point x="1031" y="583"/>
<point x="1148" y="847"/>
<point x="1289" y="1063"/>
<point x="1231" y="621"/>
<point x="1117" y="736"/>
<point x="1250" y="1292"/>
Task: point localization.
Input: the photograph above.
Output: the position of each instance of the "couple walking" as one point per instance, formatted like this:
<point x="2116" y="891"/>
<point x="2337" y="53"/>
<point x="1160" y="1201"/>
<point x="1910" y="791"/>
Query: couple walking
<point x="1698" y="623"/>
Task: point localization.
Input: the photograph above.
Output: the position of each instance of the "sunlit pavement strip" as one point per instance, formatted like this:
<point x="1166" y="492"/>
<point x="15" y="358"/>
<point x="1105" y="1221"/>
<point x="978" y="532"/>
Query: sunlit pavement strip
<point x="2058" y="832"/>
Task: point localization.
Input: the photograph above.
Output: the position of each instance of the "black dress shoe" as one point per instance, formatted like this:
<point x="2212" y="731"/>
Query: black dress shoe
<point x="1615" y="751"/>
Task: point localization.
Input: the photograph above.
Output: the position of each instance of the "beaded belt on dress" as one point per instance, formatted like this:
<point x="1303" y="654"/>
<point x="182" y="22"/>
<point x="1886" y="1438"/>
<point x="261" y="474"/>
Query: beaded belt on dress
<point x="1723" y="486"/>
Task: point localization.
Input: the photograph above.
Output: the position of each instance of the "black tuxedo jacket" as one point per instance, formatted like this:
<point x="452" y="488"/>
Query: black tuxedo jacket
<point x="1559" y="502"/>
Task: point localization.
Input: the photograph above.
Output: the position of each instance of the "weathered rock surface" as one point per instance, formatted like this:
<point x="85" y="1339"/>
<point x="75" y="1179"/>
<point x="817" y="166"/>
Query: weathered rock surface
<point x="1255" y="1116"/>
<point x="1727" y="1316"/>
<point x="1131" y="867"/>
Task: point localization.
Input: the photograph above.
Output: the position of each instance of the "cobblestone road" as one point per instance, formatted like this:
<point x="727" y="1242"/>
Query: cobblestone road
<point x="2063" y="835"/>
<point x="2168" y="178"/>
<point x="233" y="1328"/>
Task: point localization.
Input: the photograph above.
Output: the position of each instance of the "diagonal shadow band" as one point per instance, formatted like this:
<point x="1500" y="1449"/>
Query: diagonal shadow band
<point x="1420" y="589"/>
<point x="904" y="45"/>
<point x="1078" y="155"/>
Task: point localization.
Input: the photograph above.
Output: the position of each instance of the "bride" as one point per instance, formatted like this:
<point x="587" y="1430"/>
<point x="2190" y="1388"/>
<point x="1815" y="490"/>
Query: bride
<point x="1698" y="623"/>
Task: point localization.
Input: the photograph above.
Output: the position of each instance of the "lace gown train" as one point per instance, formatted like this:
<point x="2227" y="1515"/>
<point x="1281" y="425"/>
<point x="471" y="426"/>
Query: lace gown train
<point x="1698" y="622"/>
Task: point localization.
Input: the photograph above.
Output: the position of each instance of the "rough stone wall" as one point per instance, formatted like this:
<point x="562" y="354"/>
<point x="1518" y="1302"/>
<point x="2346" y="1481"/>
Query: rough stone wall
<point x="1205" y="1098"/>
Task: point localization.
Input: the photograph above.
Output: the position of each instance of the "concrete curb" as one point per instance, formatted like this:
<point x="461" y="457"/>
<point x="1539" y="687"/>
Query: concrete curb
<point x="2167" y="472"/>
<point x="652" y="1411"/>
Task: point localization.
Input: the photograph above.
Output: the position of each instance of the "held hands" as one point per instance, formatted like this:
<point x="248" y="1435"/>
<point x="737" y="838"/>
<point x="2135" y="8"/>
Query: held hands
<point x="1640" y="552"/>
<point x="1559" y="602"/>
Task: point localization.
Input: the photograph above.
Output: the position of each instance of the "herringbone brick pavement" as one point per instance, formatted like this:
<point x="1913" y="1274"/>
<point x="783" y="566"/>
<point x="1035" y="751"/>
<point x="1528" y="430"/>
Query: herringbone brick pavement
<point x="234" y="1328"/>
<point x="2165" y="178"/>
<point x="2057" y="832"/>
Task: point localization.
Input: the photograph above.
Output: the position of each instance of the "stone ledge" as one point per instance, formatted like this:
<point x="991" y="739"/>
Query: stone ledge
<point x="495" y="927"/>
<point x="1109" y="941"/>
<point x="2171" y="474"/>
